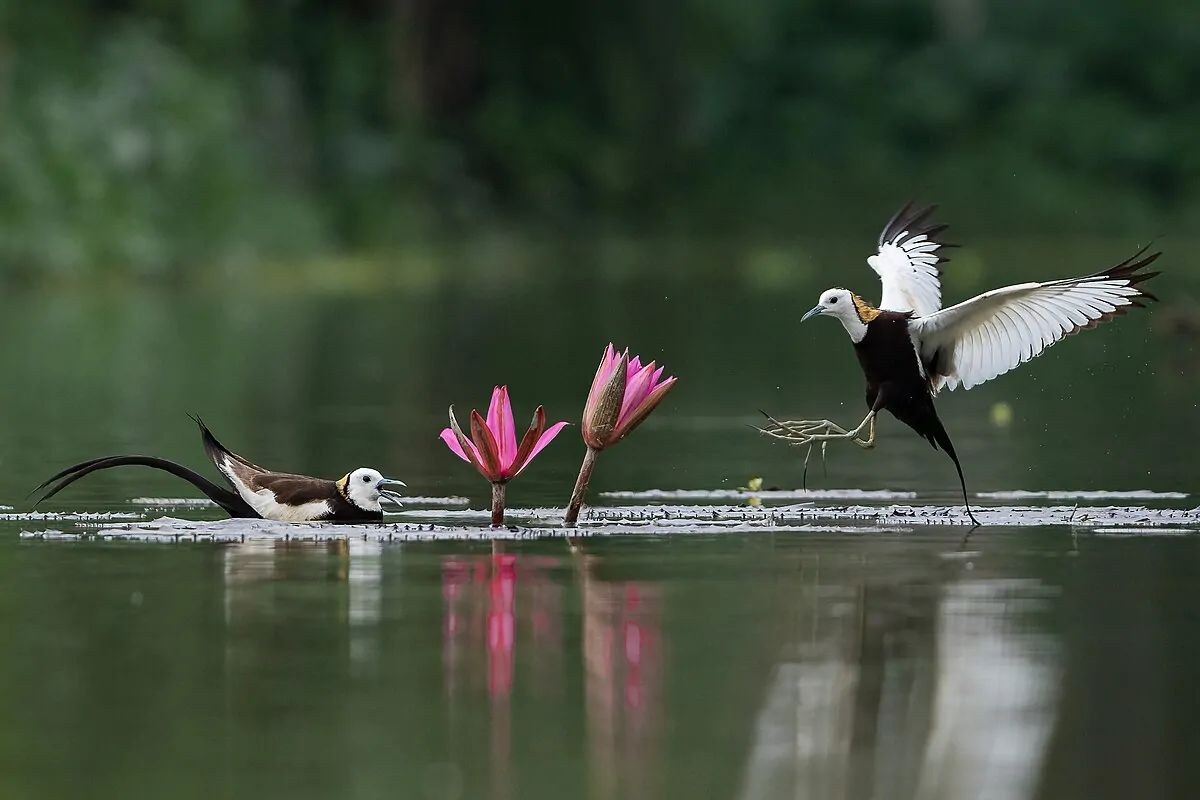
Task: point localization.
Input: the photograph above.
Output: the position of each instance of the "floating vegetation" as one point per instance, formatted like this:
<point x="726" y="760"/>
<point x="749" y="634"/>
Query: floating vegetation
<point x="173" y="502"/>
<point x="746" y="493"/>
<point x="1133" y="494"/>
<point x="204" y="502"/>
<point x="450" y="500"/>
<point x="660" y="520"/>
<point x="69" y="516"/>
<point x="1143" y="531"/>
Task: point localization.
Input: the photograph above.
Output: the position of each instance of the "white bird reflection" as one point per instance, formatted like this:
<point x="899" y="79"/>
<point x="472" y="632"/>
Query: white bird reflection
<point x="364" y="579"/>
<point x="909" y="690"/>
<point x="252" y="567"/>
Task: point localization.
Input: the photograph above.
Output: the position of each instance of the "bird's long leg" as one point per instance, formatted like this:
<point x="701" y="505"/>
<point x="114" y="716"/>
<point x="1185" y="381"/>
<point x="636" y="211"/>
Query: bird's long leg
<point x="806" y="431"/>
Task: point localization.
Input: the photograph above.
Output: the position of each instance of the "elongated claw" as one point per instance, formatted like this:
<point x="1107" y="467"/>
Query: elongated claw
<point x="809" y="432"/>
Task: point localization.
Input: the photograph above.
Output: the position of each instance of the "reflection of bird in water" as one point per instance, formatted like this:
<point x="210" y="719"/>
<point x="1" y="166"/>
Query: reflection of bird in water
<point x="257" y="492"/>
<point x="909" y="347"/>
<point x="921" y="687"/>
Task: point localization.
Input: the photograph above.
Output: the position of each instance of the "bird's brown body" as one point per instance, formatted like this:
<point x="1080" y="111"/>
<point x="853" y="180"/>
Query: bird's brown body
<point x="253" y="492"/>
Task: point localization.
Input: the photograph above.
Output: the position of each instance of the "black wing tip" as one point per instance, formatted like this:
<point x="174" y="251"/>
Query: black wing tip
<point x="1133" y="270"/>
<point x="912" y="219"/>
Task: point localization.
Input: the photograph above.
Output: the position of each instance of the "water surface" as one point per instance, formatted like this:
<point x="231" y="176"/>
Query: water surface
<point x="1026" y="662"/>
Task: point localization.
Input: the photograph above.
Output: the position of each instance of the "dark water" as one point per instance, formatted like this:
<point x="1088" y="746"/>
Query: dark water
<point x="1035" y="662"/>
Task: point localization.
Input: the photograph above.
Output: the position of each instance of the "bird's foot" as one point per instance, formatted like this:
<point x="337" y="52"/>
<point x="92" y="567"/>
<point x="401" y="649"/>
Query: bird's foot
<point x="809" y="431"/>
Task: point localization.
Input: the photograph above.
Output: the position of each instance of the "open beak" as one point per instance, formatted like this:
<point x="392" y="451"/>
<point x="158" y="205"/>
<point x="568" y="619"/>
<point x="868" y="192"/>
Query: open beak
<point x="814" y="312"/>
<point x="392" y="496"/>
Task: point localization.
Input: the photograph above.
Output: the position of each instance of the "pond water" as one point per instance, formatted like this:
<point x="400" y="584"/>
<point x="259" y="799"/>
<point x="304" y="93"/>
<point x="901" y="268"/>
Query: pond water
<point x="836" y="659"/>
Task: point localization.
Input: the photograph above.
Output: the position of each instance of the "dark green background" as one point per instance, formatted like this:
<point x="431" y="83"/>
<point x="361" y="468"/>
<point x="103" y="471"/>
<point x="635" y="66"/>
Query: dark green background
<point x="194" y="140"/>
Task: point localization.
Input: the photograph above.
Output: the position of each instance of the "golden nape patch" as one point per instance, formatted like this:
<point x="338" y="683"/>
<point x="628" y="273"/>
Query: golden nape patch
<point x="342" y="483"/>
<point x="866" y="312"/>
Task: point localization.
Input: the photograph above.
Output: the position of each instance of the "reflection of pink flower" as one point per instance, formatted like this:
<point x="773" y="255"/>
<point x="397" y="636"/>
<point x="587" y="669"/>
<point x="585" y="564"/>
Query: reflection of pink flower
<point x="480" y="618"/>
<point x="455" y="581"/>
<point x="633" y="649"/>
<point x="501" y="636"/>
<point x="622" y="649"/>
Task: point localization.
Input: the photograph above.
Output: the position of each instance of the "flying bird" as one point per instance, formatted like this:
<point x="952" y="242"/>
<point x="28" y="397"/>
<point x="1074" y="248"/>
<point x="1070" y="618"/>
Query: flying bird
<point x="910" y="348"/>
<point x="257" y="493"/>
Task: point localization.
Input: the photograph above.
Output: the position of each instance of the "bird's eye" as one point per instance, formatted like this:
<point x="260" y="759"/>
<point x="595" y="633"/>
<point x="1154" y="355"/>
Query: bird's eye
<point x="832" y="300"/>
<point x="366" y="478"/>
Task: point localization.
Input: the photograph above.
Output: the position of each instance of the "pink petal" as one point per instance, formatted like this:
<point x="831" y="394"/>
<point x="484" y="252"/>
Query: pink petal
<point x="500" y="423"/>
<point x="635" y="364"/>
<point x="636" y="388"/>
<point x="643" y="410"/>
<point x="654" y="381"/>
<point x="607" y="363"/>
<point x="451" y="441"/>
<point x="547" y="437"/>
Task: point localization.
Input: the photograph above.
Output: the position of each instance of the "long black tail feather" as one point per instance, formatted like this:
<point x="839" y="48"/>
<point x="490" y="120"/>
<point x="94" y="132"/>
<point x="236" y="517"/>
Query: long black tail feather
<point x="216" y="451"/>
<point x="943" y="439"/>
<point x="232" y="502"/>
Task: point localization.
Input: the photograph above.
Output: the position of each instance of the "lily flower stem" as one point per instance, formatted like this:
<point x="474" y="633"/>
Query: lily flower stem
<point x="581" y="485"/>
<point x="498" y="503"/>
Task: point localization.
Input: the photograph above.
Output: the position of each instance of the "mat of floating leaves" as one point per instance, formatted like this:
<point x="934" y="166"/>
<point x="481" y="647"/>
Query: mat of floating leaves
<point x="471" y="525"/>
<point x="763" y="494"/>
<point x="204" y="502"/>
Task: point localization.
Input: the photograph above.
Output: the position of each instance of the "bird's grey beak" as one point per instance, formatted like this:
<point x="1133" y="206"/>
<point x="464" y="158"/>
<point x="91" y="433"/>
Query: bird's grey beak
<point x="814" y="312"/>
<point x="387" y="495"/>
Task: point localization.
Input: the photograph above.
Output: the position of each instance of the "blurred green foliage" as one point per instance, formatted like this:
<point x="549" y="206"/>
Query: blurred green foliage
<point x="149" y="138"/>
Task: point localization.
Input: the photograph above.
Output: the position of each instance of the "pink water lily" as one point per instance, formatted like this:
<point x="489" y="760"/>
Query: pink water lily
<point x="623" y="394"/>
<point x="493" y="448"/>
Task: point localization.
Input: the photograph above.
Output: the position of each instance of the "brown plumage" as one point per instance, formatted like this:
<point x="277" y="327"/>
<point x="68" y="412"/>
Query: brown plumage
<point x="256" y="492"/>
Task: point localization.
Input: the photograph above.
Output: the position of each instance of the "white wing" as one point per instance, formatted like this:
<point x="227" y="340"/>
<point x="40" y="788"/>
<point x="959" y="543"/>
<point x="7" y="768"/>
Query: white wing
<point x="907" y="262"/>
<point x="988" y="335"/>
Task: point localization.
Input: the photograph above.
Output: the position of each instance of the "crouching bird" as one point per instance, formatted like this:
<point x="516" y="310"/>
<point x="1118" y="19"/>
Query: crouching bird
<point x="909" y="347"/>
<point x="258" y="493"/>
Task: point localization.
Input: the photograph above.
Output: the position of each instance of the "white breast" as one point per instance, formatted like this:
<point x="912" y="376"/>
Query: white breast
<point x="263" y="501"/>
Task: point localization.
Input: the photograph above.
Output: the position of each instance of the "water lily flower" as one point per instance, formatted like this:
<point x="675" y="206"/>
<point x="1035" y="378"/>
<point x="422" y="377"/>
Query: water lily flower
<point x="493" y="448"/>
<point x="623" y="394"/>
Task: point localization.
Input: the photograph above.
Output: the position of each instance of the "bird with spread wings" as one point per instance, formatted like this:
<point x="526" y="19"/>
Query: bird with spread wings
<point x="911" y="348"/>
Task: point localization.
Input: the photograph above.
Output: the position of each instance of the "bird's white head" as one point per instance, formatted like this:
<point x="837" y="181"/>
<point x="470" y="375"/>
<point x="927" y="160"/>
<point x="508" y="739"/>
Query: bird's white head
<point x="849" y="308"/>
<point x="364" y="488"/>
